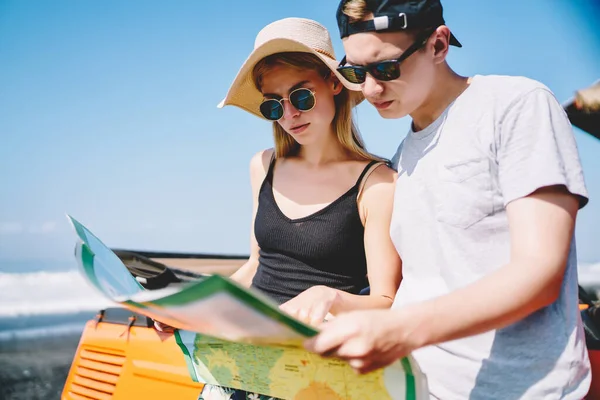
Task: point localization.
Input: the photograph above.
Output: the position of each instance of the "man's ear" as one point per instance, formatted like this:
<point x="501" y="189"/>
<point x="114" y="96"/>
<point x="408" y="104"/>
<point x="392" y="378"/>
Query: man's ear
<point x="441" y="43"/>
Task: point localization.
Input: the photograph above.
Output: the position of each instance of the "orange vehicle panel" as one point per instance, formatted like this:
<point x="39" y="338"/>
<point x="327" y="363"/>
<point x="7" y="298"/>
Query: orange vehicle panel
<point x="117" y="362"/>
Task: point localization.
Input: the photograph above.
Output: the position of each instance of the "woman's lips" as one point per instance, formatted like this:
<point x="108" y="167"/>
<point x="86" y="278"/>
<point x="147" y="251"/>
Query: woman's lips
<point x="299" y="128"/>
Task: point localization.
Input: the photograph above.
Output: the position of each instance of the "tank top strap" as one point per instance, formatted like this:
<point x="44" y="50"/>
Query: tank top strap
<point x="364" y="172"/>
<point x="269" y="176"/>
<point x="372" y="166"/>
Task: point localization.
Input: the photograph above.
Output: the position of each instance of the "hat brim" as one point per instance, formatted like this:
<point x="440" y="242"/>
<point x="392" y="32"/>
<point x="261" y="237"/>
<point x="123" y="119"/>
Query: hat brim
<point x="244" y="94"/>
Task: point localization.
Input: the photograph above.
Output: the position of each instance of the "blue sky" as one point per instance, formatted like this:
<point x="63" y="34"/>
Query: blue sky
<point x="108" y="112"/>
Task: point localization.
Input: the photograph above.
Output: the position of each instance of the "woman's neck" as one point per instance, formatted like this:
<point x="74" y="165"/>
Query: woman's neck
<point x="328" y="150"/>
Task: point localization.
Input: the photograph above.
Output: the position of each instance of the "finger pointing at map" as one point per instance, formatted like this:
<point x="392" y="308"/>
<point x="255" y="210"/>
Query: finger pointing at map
<point x="368" y="340"/>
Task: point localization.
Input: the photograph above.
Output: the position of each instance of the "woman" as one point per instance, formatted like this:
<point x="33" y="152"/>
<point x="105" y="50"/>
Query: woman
<point x="322" y="203"/>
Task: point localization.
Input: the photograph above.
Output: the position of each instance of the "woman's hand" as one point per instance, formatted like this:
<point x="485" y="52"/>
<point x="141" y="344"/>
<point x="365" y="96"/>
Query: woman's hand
<point x="311" y="306"/>
<point x="164" y="328"/>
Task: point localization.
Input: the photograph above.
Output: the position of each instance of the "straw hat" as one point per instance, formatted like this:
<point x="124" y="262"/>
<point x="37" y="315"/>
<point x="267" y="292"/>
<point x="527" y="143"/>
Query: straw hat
<point x="284" y="35"/>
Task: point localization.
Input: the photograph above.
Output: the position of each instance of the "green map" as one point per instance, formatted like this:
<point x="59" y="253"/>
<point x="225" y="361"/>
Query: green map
<point x="235" y="337"/>
<point x="290" y="372"/>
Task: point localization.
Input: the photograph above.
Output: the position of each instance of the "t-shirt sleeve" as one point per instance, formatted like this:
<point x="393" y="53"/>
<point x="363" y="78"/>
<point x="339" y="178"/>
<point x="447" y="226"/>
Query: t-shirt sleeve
<point x="536" y="148"/>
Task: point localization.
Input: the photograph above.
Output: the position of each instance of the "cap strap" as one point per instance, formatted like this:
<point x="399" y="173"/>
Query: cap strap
<point x="380" y="23"/>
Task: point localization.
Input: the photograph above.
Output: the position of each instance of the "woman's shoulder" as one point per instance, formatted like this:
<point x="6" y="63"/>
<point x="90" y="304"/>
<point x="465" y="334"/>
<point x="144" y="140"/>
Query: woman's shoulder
<point x="259" y="164"/>
<point x="379" y="180"/>
<point x="385" y="170"/>
<point x="381" y="172"/>
<point x="261" y="160"/>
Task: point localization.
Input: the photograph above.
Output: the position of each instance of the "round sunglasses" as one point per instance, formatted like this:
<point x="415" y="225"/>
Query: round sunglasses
<point x="302" y="99"/>
<point x="384" y="70"/>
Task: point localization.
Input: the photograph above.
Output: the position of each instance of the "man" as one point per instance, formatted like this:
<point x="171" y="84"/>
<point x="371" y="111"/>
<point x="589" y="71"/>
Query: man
<point x="489" y="185"/>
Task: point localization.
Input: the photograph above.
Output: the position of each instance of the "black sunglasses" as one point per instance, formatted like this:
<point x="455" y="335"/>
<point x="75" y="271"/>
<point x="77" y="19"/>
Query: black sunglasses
<point x="302" y="99"/>
<point x="383" y="70"/>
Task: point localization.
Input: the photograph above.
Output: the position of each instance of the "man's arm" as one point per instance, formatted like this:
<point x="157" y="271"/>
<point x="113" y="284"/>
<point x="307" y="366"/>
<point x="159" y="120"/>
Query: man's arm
<point x="541" y="229"/>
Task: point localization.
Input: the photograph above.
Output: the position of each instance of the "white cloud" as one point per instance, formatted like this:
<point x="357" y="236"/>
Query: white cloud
<point x="10" y="228"/>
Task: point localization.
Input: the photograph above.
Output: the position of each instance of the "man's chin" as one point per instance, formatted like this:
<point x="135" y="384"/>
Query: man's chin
<point x="392" y="113"/>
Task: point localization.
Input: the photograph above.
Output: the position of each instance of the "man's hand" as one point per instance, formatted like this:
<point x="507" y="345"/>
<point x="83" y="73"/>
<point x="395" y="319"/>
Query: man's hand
<point x="368" y="340"/>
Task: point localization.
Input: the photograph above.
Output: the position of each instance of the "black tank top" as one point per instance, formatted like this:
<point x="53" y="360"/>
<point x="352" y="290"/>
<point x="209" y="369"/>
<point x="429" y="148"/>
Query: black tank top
<point x="324" y="248"/>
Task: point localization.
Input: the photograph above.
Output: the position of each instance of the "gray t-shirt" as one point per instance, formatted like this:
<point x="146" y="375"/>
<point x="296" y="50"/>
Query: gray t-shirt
<point x="500" y="140"/>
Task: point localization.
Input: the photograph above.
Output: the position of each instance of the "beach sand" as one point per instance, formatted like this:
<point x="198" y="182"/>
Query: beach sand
<point x="32" y="369"/>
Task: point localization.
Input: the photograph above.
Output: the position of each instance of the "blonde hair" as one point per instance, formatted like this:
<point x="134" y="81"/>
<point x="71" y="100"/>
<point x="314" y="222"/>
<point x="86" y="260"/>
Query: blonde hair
<point x="357" y="10"/>
<point x="343" y="123"/>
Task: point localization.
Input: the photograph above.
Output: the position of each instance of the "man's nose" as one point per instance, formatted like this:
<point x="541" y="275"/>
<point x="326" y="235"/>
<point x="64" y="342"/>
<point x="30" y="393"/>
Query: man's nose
<point x="371" y="87"/>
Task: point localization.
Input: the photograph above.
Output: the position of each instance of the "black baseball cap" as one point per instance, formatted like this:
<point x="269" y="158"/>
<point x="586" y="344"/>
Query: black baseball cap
<point x="395" y="15"/>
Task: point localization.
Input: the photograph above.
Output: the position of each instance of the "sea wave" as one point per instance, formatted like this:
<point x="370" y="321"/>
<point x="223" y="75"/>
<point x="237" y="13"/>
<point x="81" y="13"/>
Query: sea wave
<point x="68" y="292"/>
<point x="47" y="331"/>
<point x="589" y="275"/>
<point x="46" y="293"/>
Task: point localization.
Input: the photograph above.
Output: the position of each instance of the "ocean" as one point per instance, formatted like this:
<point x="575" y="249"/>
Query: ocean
<point x="52" y="298"/>
<point x="45" y="298"/>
